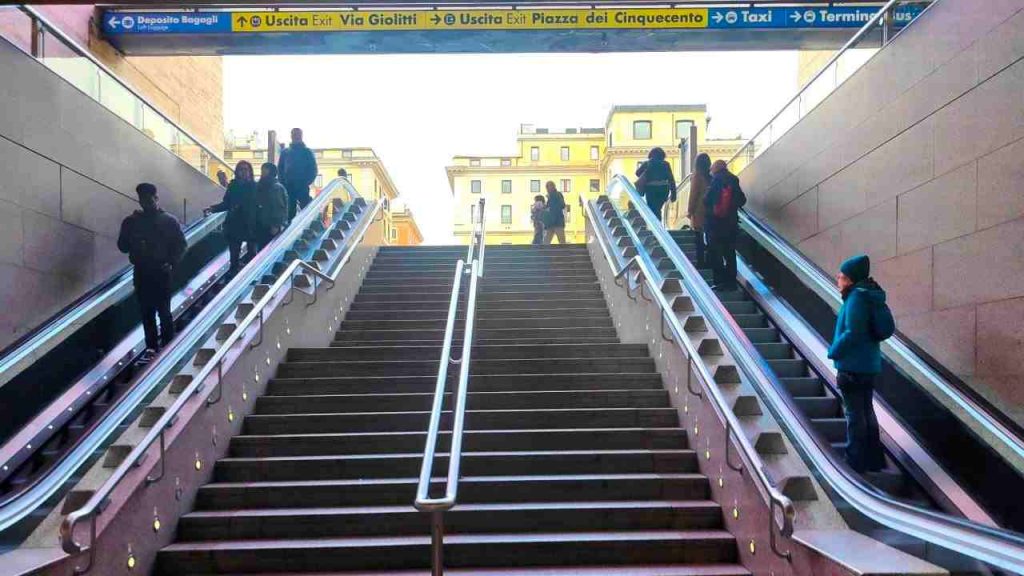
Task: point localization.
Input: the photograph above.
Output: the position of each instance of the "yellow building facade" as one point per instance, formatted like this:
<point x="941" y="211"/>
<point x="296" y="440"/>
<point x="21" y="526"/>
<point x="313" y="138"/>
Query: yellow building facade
<point x="364" y="169"/>
<point x="580" y="161"/>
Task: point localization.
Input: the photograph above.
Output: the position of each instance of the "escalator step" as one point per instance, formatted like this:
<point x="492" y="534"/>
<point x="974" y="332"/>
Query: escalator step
<point x="775" y="350"/>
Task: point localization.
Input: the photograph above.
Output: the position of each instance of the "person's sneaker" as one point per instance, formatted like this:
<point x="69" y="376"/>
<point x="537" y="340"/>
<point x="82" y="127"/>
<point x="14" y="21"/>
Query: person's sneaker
<point x="147" y="356"/>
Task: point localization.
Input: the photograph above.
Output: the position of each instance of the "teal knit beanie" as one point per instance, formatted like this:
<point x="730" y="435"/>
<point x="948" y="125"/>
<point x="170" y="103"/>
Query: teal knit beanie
<point x="857" y="268"/>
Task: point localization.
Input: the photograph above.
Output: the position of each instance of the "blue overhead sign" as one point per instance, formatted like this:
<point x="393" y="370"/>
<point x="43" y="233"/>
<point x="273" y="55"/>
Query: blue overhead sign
<point x="117" y="23"/>
<point x="803" y="17"/>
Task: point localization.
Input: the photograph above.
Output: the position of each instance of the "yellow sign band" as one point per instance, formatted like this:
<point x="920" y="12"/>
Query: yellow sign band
<point x="348" y="21"/>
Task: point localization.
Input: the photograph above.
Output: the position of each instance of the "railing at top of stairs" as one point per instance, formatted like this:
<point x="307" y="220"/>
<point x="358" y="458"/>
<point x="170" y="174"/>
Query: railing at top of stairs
<point x="436" y="507"/>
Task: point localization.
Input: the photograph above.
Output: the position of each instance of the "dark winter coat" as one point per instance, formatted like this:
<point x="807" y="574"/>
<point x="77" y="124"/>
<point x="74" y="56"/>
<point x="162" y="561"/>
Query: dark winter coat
<point x="656" y="180"/>
<point x="151" y="240"/>
<point x="554" y="215"/>
<point x="237" y="205"/>
<point x="297" y="168"/>
<point x="723" y="227"/>
<point x="269" y="207"/>
<point x="854" y="345"/>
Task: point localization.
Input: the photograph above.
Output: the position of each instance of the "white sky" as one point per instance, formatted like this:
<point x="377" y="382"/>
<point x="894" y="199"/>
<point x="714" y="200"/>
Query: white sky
<point x="418" y="111"/>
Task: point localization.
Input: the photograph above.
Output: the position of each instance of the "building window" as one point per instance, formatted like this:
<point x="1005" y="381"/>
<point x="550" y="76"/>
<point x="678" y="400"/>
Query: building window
<point x="506" y="214"/>
<point x="683" y="129"/>
<point x="472" y="213"/>
<point x="346" y="154"/>
<point x="534" y="153"/>
<point x="595" y="186"/>
<point x="595" y="153"/>
<point x="474" y="162"/>
<point x="534" y="186"/>
<point x="506" y="162"/>
<point x="228" y="154"/>
<point x="506" y="186"/>
<point x="258" y="154"/>
<point x="609" y="139"/>
<point x="475" y="186"/>
<point x="566" y="186"/>
<point x="642" y="130"/>
<point x="394" y="233"/>
<point x="319" y="181"/>
<point x="565" y="153"/>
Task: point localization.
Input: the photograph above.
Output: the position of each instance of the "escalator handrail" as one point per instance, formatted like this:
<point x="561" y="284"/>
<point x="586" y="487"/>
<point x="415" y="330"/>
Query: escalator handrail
<point x="751" y="459"/>
<point x="990" y="545"/>
<point x="95" y="504"/>
<point x="72" y="44"/>
<point x="898" y="350"/>
<point x="30" y="348"/>
<point x="18" y="505"/>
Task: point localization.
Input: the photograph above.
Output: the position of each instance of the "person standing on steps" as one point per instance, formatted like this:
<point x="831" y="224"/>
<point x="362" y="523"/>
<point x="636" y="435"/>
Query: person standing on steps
<point x="537" y="218"/>
<point x="269" y="214"/>
<point x="155" y="244"/>
<point x="864" y="321"/>
<point x="237" y="203"/>
<point x="554" y="215"/>
<point x="297" y="170"/>
<point x="696" y="211"/>
<point x="722" y="204"/>
<point x="656" y="182"/>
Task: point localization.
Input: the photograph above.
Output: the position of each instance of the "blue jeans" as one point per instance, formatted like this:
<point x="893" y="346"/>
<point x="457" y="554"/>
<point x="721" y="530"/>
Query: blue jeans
<point x="863" y="445"/>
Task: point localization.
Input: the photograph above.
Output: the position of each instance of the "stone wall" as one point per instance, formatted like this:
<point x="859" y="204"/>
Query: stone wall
<point x="918" y="160"/>
<point x="68" y="170"/>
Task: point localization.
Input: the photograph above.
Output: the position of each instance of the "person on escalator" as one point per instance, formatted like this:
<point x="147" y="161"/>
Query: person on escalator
<point x="655" y="182"/>
<point x="155" y="244"/>
<point x="237" y="203"/>
<point x="297" y="169"/>
<point x="696" y="211"/>
<point x="269" y="214"/>
<point x="722" y="204"/>
<point x="864" y="321"/>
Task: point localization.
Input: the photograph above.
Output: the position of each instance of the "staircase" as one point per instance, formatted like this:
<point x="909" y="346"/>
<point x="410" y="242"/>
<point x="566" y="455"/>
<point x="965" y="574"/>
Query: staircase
<point x="574" y="461"/>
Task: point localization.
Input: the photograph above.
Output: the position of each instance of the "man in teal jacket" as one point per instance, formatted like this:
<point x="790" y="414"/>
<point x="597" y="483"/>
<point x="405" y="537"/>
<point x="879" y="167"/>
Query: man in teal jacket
<point x="863" y="322"/>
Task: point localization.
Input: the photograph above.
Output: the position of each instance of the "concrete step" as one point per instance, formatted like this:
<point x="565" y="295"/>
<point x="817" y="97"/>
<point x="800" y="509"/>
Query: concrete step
<point x="473" y="489"/>
<point x="403" y="313"/>
<point x="478" y="366"/>
<point x="480" y="352"/>
<point x="405" y="402"/>
<point x="418" y="286"/>
<point x="537" y="463"/>
<point x="481" y="306"/>
<point x="566" y="418"/>
<point x="461" y="550"/>
<point x="646" y="570"/>
<point x="481" y="323"/>
<point x="489" y="295"/>
<point x="437" y="334"/>
<point x="301" y="523"/>
<point x="473" y="441"/>
<point x="479" y="383"/>
<point x="457" y="342"/>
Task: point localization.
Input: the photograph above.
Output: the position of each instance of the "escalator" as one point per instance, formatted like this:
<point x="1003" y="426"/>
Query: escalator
<point x="937" y="469"/>
<point x="76" y="384"/>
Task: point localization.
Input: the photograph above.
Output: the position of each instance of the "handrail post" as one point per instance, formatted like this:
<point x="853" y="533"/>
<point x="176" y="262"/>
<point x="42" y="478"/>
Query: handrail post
<point x="437" y="543"/>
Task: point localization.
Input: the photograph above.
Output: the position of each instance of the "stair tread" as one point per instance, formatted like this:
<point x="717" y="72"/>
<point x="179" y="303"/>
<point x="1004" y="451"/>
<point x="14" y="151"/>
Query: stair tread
<point x="468" y="507"/>
<point x="645" y="570"/>
<point x="342" y="482"/>
<point x="465" y="454"/>
<point x="681" y="536"/>
<point x="443" y="432"/>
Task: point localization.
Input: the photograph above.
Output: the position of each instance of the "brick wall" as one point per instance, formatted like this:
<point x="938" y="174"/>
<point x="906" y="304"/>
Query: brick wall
<point x="918" y="160"/>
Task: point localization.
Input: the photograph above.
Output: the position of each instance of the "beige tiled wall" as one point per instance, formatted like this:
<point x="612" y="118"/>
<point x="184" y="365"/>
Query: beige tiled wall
<point x="918" y="160"/>
<point x="68" y="169"/>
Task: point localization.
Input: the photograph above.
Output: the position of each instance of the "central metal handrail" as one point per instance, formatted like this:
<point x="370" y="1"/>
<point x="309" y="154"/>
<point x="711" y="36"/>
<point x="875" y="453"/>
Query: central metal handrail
<point x="157" y="433"/>
<point x="772" y="496"/>
<point x="994" y="546"/>
<point x="424" y="503"/>
<point x="477" y="236"/>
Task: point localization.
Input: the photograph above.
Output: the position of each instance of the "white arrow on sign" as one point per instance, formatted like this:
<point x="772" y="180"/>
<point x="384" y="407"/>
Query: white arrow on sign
<point x="718" y="17"/>
<point x="113" y="22"/>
